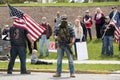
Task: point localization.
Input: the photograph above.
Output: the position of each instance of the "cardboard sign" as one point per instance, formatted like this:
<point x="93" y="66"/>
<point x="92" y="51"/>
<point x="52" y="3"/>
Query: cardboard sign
<point x="82" y="52"/>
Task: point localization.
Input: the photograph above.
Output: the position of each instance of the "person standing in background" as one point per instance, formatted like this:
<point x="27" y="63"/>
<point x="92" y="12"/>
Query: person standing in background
<point x="57" y="19"/>
<point x="83" y="27"/>
<point x="99" y="21"/>
<point x="88" y="23"/>
<point x="44" y="39"/>
<point x="115" y="16"/>
<point x="107" y="42"/>
<point x="6" y="40"/>
<point x="78" y="33"/>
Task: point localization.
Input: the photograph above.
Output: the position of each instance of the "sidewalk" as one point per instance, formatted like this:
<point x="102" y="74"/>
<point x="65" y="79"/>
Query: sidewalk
<point x="82" y="61"/>
<point x="79" y="62"/>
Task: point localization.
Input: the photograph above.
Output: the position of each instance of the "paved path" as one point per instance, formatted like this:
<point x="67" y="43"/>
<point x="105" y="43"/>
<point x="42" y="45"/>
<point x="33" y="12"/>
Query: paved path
<point x="83" y="61"/>
<point x="65" y="76"/>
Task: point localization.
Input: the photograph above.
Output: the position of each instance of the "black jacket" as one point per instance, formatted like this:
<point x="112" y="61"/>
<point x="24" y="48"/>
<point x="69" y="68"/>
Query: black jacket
<point x="110" y="31"/>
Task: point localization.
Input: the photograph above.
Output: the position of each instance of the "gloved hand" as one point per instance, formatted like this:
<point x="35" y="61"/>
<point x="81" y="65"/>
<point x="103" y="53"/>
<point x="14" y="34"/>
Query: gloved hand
<point x="70" y="45"/>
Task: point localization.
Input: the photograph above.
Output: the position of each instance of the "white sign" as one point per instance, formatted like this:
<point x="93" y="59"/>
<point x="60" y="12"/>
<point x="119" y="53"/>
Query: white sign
<point x="52" y="47"/>
<point x="82" y="52"/>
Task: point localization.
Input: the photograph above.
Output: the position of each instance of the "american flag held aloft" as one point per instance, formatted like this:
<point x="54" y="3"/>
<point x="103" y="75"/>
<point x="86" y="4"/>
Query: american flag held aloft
<point x="23" y="20"/>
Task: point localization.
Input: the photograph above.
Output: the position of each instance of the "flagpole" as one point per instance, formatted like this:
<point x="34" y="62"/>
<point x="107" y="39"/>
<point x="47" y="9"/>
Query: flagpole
<point x="105" y="30"/>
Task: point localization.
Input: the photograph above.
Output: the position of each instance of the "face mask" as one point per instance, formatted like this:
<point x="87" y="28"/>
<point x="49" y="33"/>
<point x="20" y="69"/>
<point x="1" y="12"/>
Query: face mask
<point x="63" y="24"/>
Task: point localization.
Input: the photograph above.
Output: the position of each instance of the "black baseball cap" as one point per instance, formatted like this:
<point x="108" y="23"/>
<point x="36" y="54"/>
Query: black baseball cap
<point x="114" y="7"/>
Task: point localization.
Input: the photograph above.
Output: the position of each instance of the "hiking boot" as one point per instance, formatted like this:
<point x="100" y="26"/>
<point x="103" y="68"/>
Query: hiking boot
<point x="57" y="75"/>
<point x="27" y="72"/>
<point x="9" y="72"/>
<point x="72" y="75"/>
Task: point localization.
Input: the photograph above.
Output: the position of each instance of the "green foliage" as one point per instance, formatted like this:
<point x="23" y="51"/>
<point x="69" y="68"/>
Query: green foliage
<point x="11" y="1"/>
<point x="62" y="1"/>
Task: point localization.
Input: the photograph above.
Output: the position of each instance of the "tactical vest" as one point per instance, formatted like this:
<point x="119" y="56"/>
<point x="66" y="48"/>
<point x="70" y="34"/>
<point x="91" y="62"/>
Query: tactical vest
<point x="64" y="35"/>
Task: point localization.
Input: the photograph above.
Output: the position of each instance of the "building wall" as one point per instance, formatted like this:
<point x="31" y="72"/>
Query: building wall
<point x="50" y="12"/>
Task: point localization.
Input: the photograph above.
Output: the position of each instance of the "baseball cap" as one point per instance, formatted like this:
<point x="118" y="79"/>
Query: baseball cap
<point x="64" y="17"/>
<point x="114" y="7"/>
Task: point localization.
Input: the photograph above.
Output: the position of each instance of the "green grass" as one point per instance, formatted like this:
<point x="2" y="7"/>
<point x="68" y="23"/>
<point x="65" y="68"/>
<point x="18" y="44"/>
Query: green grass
<point x="68" y="4"/>
<point x="94" y="51"/>
<point x="78" y="67"/>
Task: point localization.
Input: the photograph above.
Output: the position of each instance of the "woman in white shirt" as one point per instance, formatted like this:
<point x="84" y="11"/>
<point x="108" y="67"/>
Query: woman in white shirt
<point x="78" y="33"/>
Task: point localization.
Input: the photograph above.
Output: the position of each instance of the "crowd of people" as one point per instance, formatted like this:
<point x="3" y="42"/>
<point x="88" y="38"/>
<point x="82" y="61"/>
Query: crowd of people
<point x="66" y="35"/>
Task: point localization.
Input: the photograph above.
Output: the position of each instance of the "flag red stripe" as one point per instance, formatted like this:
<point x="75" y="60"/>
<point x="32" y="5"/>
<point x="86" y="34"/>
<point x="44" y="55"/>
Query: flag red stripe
<point x="117" y="34"/>
<point x="34" y="23"/>
<point x="33" y="27"/>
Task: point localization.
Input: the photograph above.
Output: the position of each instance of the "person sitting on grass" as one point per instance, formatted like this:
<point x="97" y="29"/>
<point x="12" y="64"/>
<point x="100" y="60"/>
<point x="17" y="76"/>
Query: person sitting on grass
<point x="35" y="60"/>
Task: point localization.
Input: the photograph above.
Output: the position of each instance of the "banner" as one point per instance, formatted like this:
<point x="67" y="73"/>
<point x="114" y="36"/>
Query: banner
<point x="82" y="52"/>
<point x="52" y="47"/>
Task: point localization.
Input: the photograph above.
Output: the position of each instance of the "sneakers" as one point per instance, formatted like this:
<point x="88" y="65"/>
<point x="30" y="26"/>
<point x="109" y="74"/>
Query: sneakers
<point x="27" y="72"/>
<point x="72" y="75"/>
<point x="57" y="75"/>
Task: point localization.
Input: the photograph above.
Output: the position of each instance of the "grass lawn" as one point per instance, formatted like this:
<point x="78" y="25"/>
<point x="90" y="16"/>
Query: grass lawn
<point x="78" y="67"/>
<point x="94" y="51"/>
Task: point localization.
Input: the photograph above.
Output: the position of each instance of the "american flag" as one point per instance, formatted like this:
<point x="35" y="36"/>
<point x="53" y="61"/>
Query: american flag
<point x="24" y="21"/>
<point x="117" y="34"/>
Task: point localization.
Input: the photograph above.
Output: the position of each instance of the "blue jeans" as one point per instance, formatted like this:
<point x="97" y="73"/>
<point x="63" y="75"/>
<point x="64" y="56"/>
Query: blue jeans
<point x="59" y="60"/>
<point x="43" y="41"/>
<point x="21" y="52"/>
<point x="107" y="45"/>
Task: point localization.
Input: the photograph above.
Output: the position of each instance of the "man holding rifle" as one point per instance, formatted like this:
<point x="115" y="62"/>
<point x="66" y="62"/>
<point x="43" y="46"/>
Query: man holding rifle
<point x="107" y="38"/>
<point x="65" y="36"/>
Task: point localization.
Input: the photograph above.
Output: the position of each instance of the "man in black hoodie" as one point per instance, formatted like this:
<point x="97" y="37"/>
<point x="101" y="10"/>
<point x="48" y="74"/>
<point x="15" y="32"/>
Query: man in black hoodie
<point x="107" y="40"/>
